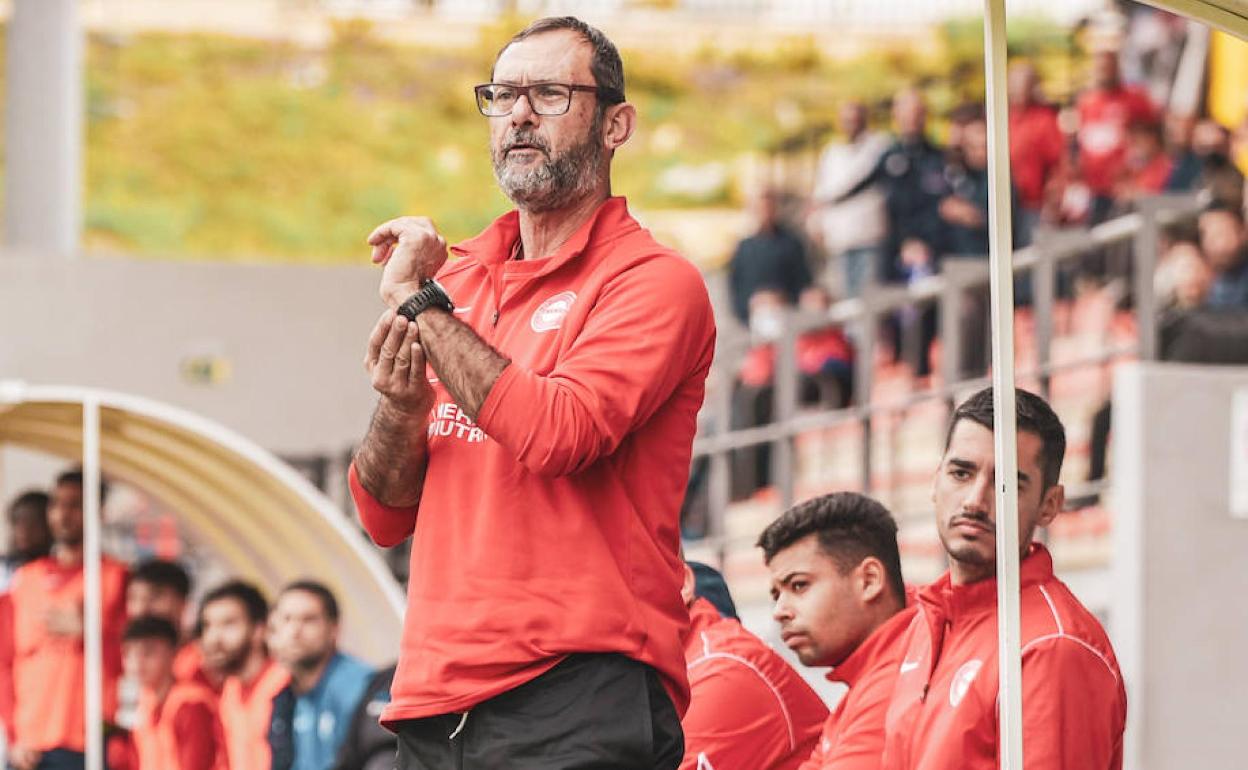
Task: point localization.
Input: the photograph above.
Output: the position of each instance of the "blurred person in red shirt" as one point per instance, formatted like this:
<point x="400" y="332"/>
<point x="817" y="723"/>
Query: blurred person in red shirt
<point x="1037" y="149"/>
<point x="176" y="726"/>
<point x="29" y="539"/>
<point x="48" y="660"/>
<point x="162" y="588"/>
<point x="944" y="708"/>
<point x="1148" y="166"/>
<point x="748" y="709"/>
<point x="840" y="601"/>
<point x="233" y="620"/>
<point x="1106" y="111"/>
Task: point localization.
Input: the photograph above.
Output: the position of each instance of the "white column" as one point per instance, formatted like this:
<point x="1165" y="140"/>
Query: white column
<point x="44" y="128"/>
<point x="1001" y="258"/>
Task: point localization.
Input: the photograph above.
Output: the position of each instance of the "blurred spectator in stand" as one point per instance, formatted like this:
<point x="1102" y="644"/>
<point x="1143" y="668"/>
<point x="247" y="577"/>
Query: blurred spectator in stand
<point x="1224" y="243"/>
<point x="772" y="259"/>
<point x="233" y="623"/>
<point x="911" y="174"/>
<point x="959" y="118"/>
<point x="965" y="213"/>
<point x="1037" y="149"/>
<point x="964" y="210"/>
<point x="48" y="667"/>
<point x="1202" y="160"/>
<point x="1183" y="277"/>
<point x="162" y="589"/>
<point x="824" y="359"/>
<point x="1106" y="111"/>
<point x="176" y="727"/>
<point x="1147" y="167"/>
<point x="312" y="715"/>
<point x="850" y="229"/>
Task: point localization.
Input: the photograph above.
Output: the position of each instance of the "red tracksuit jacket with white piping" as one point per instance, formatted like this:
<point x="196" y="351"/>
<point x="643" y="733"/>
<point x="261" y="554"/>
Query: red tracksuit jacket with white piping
<point x="943" y="714"/>
<point x="551" y="525"/>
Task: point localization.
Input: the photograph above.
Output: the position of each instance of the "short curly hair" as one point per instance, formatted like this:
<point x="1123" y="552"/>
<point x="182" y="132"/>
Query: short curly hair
<point x="849" y="526"/>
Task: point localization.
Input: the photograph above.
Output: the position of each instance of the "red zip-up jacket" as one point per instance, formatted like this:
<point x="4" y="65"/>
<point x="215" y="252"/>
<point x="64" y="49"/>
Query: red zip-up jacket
<point x="750" y="710"/>
<point x="853" y="737"/>
<point x="944" y="710"/>
<point x="551" y="525"/>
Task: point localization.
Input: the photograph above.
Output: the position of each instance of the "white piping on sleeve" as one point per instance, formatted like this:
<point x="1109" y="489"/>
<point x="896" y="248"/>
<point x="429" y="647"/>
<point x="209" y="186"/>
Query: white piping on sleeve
<point x="775" y="691"/>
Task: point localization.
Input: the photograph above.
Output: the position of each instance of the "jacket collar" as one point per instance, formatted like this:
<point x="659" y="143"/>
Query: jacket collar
<point x="861" y="660"/>
<point x="943" y="598"/>
<point x="495" y="245"/>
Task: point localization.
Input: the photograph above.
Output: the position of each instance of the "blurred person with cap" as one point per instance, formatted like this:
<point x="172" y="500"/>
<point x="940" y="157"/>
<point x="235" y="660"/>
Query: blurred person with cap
<point x="840" y="601"/>
<point x="943" y="712"/>
<point x="748" y="709"/>
<point x="176" y="726"/>
<point x="233" y="620"/>
<point x="49" y="666"/>
<point x="312" y="715"/>
<point x="539" y="400"/>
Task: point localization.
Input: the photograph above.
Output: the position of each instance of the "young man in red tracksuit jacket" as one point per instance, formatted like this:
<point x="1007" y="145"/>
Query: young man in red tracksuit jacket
<point x="748" y="708"/>
<point x="176" y="725"/>
<point x="540" y="463"/>
<point x="840" y="601"/>
<point x="944" y="710"/>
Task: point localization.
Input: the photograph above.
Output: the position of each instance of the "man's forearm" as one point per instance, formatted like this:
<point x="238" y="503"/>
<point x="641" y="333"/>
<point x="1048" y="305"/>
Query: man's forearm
<point x="391" y="462"/>
<point x="465" y="363"/>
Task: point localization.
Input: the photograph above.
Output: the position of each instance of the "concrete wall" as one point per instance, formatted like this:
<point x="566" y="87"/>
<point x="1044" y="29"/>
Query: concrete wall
<point x="291" y="337"/>
<point x="1180" y="622"/>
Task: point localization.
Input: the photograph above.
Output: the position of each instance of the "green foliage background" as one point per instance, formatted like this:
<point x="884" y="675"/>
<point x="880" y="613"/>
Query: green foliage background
<point x="202" y="146"/>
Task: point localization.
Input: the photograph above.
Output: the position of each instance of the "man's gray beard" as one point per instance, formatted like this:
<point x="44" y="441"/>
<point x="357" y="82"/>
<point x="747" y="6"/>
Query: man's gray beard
<point x="556" y="182"/>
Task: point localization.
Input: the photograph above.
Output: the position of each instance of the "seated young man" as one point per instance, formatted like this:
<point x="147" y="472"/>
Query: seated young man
<point x="749" y="710"/>
<point x="176" y="726"/>
<point x="840" y="601"/>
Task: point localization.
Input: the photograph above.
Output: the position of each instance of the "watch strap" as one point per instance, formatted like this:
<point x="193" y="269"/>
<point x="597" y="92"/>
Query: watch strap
<point x="431" y="294"/>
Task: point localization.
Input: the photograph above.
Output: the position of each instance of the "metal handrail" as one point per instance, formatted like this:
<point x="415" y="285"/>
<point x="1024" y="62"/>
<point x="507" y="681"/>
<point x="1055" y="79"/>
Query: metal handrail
<point x="1041" y="259"/>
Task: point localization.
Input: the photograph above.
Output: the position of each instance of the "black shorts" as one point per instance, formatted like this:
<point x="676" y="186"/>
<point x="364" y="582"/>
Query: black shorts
<point x="590" y="712"/>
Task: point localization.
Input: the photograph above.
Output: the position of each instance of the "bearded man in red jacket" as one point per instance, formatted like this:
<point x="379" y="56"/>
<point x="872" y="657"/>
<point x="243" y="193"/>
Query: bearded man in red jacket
<point x="943" y="714"/>
<point x="539" y="398"/>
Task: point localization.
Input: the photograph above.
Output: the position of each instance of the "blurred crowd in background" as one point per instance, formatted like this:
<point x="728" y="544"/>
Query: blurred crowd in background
<point x="891" y="208"/>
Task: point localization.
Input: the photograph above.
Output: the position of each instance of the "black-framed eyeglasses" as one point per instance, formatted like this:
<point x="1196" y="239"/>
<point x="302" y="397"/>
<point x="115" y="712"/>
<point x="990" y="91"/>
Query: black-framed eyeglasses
<point x="496" y="100"/>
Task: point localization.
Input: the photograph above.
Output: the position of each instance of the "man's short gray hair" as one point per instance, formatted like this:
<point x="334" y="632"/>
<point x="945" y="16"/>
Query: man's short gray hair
<point x="606" y="65"/>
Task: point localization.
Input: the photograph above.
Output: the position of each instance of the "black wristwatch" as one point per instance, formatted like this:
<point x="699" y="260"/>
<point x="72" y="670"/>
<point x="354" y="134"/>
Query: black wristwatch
<point x="431" y="294"/>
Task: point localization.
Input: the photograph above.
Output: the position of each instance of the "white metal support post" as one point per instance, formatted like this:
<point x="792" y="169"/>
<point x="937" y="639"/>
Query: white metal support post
<point x="92" y="622"/>
<point x="43" y="123"/>
<point x="1010" y="701"/>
